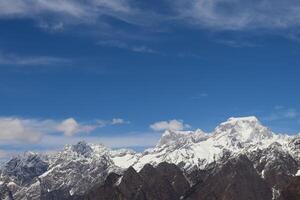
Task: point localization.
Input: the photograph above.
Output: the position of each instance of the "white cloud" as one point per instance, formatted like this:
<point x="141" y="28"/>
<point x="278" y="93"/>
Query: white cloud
<point x="240" y="14"/>
<point x="119" y="121"/>
<point x="3" y="154"/>
<point x="212" y="14"/>
<point x="12" y="59"/>
<point x="281" y="113"/>
<point x="174" y="125"/>
<point x="61" y="12"/>
<point x="70" y="127"/>
<point x="114" y="121"/>
<point x="52" y="143"/>
<point x="122" y="45"/>
<point x="118" y="141"/>
<point x="22" y="130"/>
<point x="19" y="130"/>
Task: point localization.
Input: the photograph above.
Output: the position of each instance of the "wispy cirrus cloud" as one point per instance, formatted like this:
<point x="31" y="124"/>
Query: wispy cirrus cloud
<point x="239" y="14"/>
<point x="238" y="43"/>
<point x="58" y="13"/>
<point x="281" y="113"/>
<point x="122" y="45"/>
<point x="219" y="15"/>
<point x="200" y="96"/>
<point x="216" y="15"/>
<point x="13" y="59"/>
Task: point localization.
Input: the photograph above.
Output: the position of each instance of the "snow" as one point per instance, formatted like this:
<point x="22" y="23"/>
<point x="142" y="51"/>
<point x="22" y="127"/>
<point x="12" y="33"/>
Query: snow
<point x="119" y="181"/>
<point x="193" y="148"/>
<point x="275" y="193"/>
<point x="48" y="172"/>
<point x="125" y="161"/>
<point x="11" y="184"/>
<point x="237" y="135"/>
<point x="171" y="136"/>
<point x="236" y="119"/>
<point x="263" y="174"/>
<point x="188" y="148"/>
<point x="71" y="192"/>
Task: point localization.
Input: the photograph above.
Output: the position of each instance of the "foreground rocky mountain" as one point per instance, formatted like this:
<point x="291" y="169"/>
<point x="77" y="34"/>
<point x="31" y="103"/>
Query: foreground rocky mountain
<point x="241" y="159"/>
<point x="166" y="181"/>
<point x="233" y="179"/>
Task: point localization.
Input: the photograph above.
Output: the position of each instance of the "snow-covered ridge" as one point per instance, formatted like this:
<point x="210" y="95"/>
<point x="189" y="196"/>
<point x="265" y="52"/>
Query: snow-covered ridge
<point x="197" y="148"/>
<point x="85" y="164"/>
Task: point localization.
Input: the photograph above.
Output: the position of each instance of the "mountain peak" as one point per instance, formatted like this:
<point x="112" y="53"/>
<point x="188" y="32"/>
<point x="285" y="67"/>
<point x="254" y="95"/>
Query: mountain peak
<point x="244" y="129"/>
<point x="252" y="119"/>
<point x="82" y="148"/>
<point x="171" y="136"/>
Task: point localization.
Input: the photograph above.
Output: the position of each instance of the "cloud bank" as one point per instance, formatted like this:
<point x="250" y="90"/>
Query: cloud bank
<point x="15" y="129"/>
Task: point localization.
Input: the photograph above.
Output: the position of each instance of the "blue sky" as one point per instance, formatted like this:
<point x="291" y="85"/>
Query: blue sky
<point x="104" y="71"/>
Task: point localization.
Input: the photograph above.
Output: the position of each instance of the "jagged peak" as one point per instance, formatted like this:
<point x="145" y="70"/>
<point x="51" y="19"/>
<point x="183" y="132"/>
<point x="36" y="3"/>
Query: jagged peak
<point x="170" y="136"/>
<point x="240" y="123"/>
<point x="246" y="128"/>
<point x="173" y="136"/>
<point x="27" y="157"/>
<point x="82" y="148"/>
<point x="122" y="152"/>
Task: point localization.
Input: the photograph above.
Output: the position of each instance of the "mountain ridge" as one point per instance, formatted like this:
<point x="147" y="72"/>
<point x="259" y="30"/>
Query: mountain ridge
<point x="77" y="168"/>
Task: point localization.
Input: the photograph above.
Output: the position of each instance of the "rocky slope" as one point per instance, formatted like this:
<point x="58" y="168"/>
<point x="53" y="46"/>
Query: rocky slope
<point x="257" y="155"/>
<point x="233" y="180"/>
<point x="292" y="190"/>
<point x="166" y="181"/>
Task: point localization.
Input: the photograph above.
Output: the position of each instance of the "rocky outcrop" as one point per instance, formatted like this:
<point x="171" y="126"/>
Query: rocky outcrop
<point x="24" y="168"/>
<point x="275" y="165"/>
<point x="164" y="182"/>
<point x="235" y="180"/>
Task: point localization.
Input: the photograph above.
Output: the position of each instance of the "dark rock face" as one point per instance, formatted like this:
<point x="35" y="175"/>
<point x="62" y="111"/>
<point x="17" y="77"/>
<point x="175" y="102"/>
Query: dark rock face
<point x="59" y="195"/>
<point x="294" y="145"/>
<point x="165" y="182"/>
<point x="79" y="172"/>
<point x="235" y="180"/>
<point x="275" y="165"/>
<point x="292" y="191"/>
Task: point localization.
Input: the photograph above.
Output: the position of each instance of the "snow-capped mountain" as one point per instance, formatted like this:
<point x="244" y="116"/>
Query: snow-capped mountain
<point x="65" y="174"/>
<point x="197" y="149"/>
<point x="73" y="171"/>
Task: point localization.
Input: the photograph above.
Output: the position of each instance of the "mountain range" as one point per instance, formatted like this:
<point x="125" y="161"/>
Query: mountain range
<point x="240" y="160"/>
